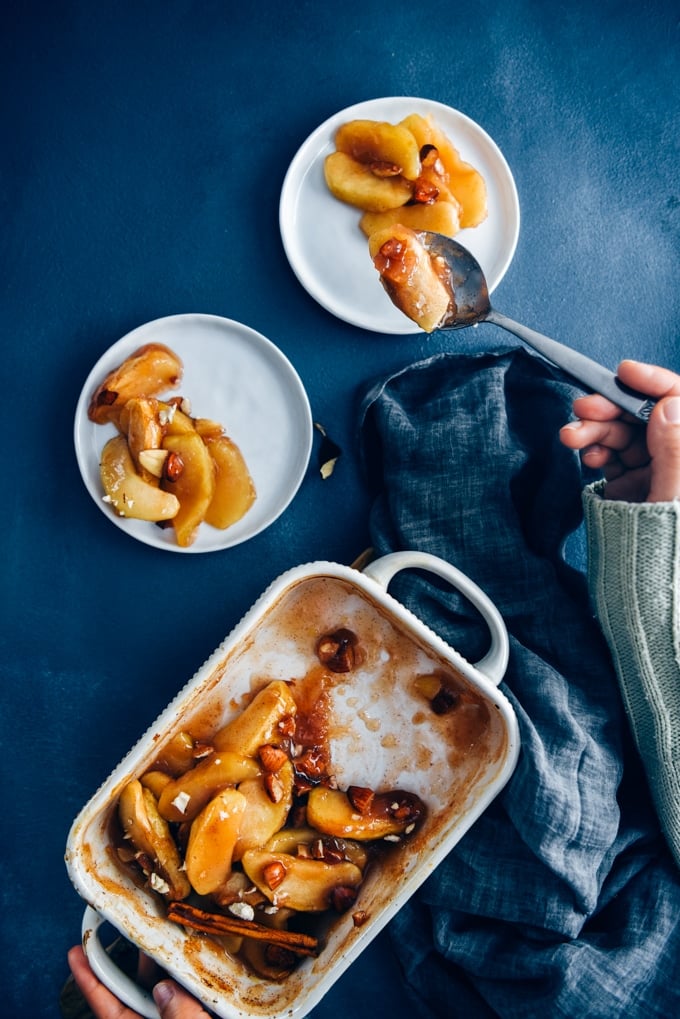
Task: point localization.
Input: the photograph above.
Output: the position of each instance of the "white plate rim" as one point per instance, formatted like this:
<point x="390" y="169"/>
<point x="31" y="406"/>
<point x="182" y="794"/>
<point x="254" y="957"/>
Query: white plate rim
<point x="474" y="145"/>
<point x="284" y="394"/>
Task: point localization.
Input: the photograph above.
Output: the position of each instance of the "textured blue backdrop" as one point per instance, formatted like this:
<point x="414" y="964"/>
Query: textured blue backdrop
<point x="143" y="150"/>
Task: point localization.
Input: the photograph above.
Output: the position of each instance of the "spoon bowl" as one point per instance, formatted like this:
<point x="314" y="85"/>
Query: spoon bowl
<point x="470" y="304"/>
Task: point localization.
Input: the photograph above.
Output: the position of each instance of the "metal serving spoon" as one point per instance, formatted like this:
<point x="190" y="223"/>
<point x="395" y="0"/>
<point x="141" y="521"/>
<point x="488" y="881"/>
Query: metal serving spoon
<point x="472" y="305"/>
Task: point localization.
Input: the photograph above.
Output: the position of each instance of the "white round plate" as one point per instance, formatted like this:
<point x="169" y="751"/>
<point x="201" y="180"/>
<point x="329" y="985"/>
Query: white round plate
<point x="237" y="377"/>
<point x="321" y="236"/>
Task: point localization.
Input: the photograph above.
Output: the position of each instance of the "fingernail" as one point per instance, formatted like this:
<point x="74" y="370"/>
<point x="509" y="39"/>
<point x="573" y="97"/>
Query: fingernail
<point x="163" y="993"/>
<point x="573" y="424"/>
<point x="671" y="409"/>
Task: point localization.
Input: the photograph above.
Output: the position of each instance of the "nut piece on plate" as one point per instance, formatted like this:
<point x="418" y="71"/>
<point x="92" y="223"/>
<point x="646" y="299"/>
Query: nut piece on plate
<point x="338" y="650"/>
<point x="129" y="494"/>
<point x="153" y="461"/>
<point x="152" y="369"/>
<point x="410" y="276"/>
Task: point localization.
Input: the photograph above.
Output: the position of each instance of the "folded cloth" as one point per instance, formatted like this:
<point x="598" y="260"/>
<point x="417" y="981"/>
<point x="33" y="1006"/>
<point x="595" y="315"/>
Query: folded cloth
<point x="562" y="900"/>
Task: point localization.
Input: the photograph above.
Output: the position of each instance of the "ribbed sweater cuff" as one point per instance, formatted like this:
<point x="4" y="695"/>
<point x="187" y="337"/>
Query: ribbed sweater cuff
<point x="634" y="584"/>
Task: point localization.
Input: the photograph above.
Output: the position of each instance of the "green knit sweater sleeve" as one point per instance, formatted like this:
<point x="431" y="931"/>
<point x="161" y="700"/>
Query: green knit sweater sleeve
<point x="634" y="584"/>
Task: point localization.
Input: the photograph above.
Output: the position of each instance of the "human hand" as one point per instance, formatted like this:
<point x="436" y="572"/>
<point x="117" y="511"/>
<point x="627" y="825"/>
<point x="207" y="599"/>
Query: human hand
<point x="172" y="1002"/>
<point x="641" y="463"/>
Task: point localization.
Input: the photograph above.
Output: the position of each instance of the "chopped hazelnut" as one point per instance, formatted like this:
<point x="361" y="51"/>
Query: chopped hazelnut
<point x="361" y="798"/>
<point x="336" y="650"/>
<point x="444" y="701"/>
<point x="274" y="787"/>
<point x="274" y="874"/>
<point x="343" y="898"/>
<point x="272" y="758"/>
<point x="173" y="467"/>
<point x="380" y="168"/>
<point x="425" y="192"/>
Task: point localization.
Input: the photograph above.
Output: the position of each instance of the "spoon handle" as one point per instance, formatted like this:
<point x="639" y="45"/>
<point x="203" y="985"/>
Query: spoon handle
<point x="593" y="375"/>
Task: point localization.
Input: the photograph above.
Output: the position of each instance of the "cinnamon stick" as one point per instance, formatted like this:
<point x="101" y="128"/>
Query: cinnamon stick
<point x="219" y="923"/>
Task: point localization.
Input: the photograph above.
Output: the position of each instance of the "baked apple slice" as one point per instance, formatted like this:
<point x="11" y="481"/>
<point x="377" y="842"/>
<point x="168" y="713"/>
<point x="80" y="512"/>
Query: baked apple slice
<point x="410" y="276"/>
<point x="258" y="724"/>
<point x="212" y="839"/>
<point x="356" y="184"/>
<point x="294" y="882"/>
<point x="150" y="836"/>
<point x="151" y="370"/>
<point x="144" y="430"/>
<point x="184" y="797"/>
<point x="442" y="217"/>
<point x="195" y="486"/>
<point x="268" y="802"/>
<point x="234" y="487"/>
<point x="389" y="149"/>
<point x="129" y="494"/>
<point x="362" y="814"/>
<point x="462" y="180"/>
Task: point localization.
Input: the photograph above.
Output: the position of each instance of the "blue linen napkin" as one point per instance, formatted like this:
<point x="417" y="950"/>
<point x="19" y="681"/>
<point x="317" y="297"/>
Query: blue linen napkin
<point x="563" y="899"/>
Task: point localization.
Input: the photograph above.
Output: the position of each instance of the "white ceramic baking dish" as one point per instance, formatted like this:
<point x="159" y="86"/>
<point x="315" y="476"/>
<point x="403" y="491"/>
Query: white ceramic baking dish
<point x="383" y="734"/>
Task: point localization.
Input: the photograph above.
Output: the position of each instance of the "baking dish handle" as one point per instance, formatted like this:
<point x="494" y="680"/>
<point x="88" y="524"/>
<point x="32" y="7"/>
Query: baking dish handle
<point x="495" y="661"/>
<point x="130" y="993"/>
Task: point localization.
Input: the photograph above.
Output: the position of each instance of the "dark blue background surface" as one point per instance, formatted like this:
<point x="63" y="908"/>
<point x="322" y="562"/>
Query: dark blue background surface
<point x="143" y="150"/>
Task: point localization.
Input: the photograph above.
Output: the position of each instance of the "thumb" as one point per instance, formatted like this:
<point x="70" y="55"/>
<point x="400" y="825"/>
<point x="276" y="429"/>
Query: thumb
<point x="174" y="1003"/>
<point x="663" y="442"/>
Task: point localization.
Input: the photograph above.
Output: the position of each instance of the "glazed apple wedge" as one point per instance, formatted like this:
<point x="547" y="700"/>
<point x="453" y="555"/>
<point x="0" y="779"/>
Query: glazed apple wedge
<point x="152" y="369"/>
<point x="184" y="797"/>
<point x="234" y="488"/>
<point x="176" y="466"/>
<point x="388" y="148"/>
<point x="195" y="486"/>
<point x="304" y="885"/>
<point x="356" y="184"/>
<point x="212" y="840"/>
<point x="149" y="833"/>
<point x="129" y="494"/>
<point x="441" y="217"/>
<point x="362" y="814"/>
<point x="259" y="723"/>
<point x="462" y="179"/>
<point x="410" y="276"/>
<point x="267" y="807"/>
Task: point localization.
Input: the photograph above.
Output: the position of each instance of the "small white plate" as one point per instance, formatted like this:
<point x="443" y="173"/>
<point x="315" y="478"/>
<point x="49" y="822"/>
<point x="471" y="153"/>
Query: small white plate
<point x="321" y="236"/>
<point x="237" y="377"/>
